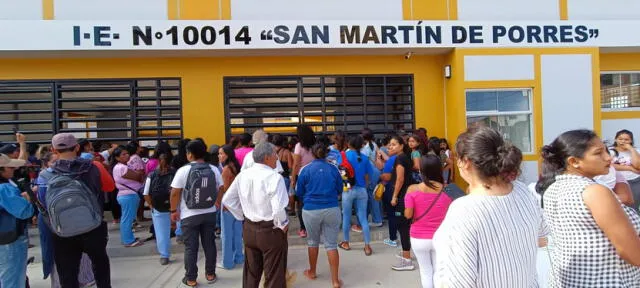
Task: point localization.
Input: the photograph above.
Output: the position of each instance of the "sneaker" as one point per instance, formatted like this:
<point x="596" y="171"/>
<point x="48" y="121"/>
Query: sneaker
<point x="302" y="234"/>
<point x="219" y="265"/>
<point x="403" y="265"/>
<point x="375" y="224"/>
<point x="356" y="228"/>
<point x="390" y="242"/>
<point x="164" y="261"/>
<point x="399" y="255"/>
<point x="135" y="244"/>
<point x="115" y="222"/>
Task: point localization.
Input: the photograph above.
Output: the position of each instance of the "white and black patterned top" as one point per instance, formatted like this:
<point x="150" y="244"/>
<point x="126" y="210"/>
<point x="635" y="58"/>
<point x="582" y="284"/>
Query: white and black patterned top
<point x="582" y="255"/>
<point x="490" y="241"/>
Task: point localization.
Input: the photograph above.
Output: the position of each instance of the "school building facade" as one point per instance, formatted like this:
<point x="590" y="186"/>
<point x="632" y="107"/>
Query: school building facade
<point x="166" y="69"/>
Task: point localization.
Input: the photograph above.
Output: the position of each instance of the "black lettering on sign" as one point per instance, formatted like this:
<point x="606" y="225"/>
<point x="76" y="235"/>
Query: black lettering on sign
<point x="370" y="35"/>
<point x="516" y="34"/>
<point x="300" y="35"/>
<point x="349" y="36"/>
<point x="566" y="34"/>
<point x="432" y="35"/>
<point x="533" y="33"/>
<point x="146" y="36"/>
<point x="208" y="35"/>
<point x="281" y="34"/>
<point x="317" y="34"/>
<point x="475" y="35"/>
<point x="498" y="32"/>
<point x="405" y="33"/>
<point x="550" y="34"/>
<point x="389" y="34"/>
<point x="582" y="34"/>
<point x="458" y="34"/>
<point x="190" y="35"/>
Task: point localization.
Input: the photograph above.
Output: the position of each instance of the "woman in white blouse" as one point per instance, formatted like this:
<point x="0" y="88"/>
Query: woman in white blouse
<point x="626" y="159"/>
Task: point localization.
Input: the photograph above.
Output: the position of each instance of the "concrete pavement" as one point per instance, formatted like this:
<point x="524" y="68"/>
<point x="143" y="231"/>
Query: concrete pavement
<point x="357" y="270"/>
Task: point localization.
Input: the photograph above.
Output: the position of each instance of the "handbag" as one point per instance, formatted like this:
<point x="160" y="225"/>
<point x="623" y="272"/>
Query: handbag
<point x="415" y="219"/>
<point x="140" y="191"/>
<point x="378" y="191"/>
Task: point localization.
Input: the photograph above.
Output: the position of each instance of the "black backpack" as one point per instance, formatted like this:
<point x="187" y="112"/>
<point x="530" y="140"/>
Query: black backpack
<point x="201" y="189"/>
<point x="160" y="189"/>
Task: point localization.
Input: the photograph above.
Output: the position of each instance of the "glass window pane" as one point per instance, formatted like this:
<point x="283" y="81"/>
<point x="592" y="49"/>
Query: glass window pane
<point x="514" y="128"/>
<point x="482" y="101"/>
<point x="513" y="100"/>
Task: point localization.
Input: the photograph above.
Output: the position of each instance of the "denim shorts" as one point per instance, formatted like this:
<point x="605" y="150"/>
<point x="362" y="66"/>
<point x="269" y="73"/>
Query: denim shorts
<point x="325" y="223"/>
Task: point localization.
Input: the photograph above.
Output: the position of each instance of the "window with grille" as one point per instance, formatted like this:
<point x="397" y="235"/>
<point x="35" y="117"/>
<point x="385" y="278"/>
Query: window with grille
<point x="382" y="103"/>
<point x="507" y="110"/>
<point x="119" y="110"/>
<point x="620" y="90"/>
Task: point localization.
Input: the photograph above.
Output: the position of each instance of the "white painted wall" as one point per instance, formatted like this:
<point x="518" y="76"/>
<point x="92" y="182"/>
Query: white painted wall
<point x="316" y="10"/>
<point x="610" y="127"/>
<point x="20" y="9"/>
<point x="508" y="10"/>
<point x="603" y="10"/>
<point x="499" y="67"/>
<point x="110" y="10"/>
<point x="567" y="94"/>
<point x="529" y="173"/>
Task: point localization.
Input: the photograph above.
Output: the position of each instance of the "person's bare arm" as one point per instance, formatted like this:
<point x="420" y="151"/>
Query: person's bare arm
<point x="614" y="222"/>
<point x="22" y="140"/>
<point x="416" y="164"/>
<point x="297" y="160"/>
<point x="624" y="193"/>
<point x="385" y="176"/>
<point x="147" y="198"/>
<point x="176" y="193"/>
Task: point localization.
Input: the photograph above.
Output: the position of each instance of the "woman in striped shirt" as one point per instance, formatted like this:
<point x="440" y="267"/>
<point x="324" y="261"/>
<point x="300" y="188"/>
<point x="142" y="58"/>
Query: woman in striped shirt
<point x="490" y="237"/>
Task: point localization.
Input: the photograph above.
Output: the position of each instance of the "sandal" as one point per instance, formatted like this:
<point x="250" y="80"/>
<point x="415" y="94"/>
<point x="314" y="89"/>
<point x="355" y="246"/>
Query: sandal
<point x="211" y="278"/>
<point x="368" y="252"/>
<point x="135" y="243"/>
<point x="189" y="283"/>
<point x="344" y="246"/>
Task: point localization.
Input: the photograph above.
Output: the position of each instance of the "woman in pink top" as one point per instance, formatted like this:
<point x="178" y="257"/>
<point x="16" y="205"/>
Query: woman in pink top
<point x="301" y="157"/>
<point x="244" y="149"/>
<point x="427" y="204"/>
<point x="128" y="183"/>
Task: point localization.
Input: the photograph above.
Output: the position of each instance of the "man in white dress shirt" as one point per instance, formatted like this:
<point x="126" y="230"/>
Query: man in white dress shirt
<point x="258" y="196"/>
<point x="258" y="137"/>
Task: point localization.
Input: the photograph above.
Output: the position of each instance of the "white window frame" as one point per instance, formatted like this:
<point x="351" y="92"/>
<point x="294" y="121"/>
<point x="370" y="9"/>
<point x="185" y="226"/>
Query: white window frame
<point x="628" y="108"/>
<point x="497" y="113"/>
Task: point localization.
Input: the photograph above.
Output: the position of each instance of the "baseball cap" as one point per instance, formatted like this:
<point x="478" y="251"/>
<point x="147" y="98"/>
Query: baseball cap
<point x="63" y="141"/>
<point x="5" y="161"/>
<point x="9" y="148"/>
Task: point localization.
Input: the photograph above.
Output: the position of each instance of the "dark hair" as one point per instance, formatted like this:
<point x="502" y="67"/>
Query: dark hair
<point x="144" y="153"/>
<point x="231" y="158"/>
<point x="319" y="150"/>
<point x="245" y="139"/>
<point x="621" y="132"/>
<point x="307" y="138"/>
<point x="323" y="139"/>
<point x="201" y="140"/>
<point x="420" y="147"/>
<point x="132" y="147"/>
<point x="386" y="139"/>
<point x="116" y="153"/>
<point x="434" y="145"/>
<point x="161" y="147"/>
<point x="431" y="170"/>
<point x="405" y="149"/>
<point x="356" y="142"/>
<point x="207" y="156"/>
<point x="279" y="140"/>
<point x="181" y="158"/>
<point x="443" y="140"/>
<point x="83" y="142"/>
<point x="46" y="158"/>
<point x="197" y="149"/>
<point x="367" y="135"/>
<point x="485" y="148"/>
<point x="340" y="140"/>
<point x="572" y="143"/>
<point x="214" y="159"/>
<point x="233" y="141"/>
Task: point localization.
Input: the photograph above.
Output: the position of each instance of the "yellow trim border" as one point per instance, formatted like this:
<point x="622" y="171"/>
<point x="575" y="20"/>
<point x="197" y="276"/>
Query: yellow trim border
<point x="47" y="10"/>
<point x="172" y="10"/>
<point x="225" y="6"/>
<point x="564" y="9"/>
<point x="613" y="115"/>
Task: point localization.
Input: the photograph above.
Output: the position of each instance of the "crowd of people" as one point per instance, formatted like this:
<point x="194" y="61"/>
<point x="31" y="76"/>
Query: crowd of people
<point x="246" y="191"/>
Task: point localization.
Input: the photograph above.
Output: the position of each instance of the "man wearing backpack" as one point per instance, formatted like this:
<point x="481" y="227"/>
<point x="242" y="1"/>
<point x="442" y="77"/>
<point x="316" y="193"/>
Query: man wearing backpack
<point x="15" y="210"/>
<point x="193" y="194"/>
<point x="79" y="227"/>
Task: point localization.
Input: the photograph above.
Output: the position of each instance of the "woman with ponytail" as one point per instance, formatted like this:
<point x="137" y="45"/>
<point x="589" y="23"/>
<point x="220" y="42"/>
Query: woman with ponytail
<point x="490" y="237"/>
<point x="596" y="236"/>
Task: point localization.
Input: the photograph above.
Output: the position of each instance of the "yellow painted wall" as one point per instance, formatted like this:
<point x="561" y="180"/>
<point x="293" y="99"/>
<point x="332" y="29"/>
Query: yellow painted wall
<point x="202" y="80"/>
<point x="430" y="9"/>
<point x="198" y="9"/>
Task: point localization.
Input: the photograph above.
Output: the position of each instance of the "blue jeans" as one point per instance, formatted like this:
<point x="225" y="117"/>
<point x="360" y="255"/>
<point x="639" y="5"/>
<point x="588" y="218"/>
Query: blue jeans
<point x="13" y="263"/>
<point x="359" y="196"/>
<point x="129" y="204"/>
<point x="178" y="229"/>
<point x="162" y="226"/>
<point x="374" y="206"/>
<point x="231" y="240"/>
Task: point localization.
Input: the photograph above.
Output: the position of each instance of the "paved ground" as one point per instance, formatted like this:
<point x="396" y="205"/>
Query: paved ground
<point x="357" y="270"/>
